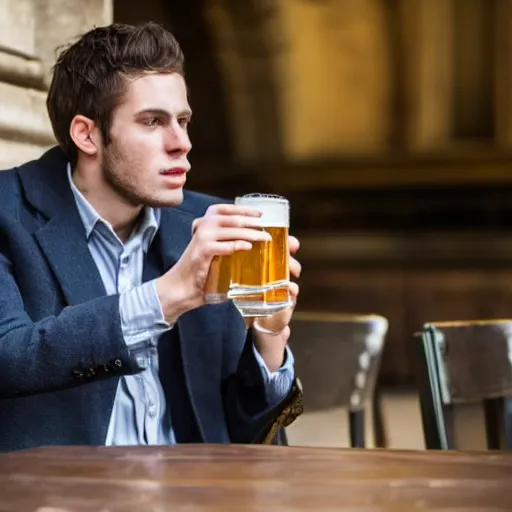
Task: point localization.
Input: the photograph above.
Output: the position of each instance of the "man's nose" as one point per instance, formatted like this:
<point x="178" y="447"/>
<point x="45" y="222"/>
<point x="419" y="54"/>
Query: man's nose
<point x="178" y="140"/>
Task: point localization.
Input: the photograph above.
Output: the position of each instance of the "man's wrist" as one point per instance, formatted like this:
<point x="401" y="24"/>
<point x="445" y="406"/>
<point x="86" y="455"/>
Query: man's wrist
<point x="257" y="327"/>
<point x="172" y="299"/>
<point x="271" y="347"/>
<point x="141" y="314"/>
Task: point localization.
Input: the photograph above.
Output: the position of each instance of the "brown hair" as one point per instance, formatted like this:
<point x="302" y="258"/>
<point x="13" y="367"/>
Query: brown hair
<point x="89" y="77"/>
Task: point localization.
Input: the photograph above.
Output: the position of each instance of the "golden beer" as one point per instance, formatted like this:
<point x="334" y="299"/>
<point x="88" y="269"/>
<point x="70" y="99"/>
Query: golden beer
<point x="264" y="266"/>
<point x="260" y="277"/>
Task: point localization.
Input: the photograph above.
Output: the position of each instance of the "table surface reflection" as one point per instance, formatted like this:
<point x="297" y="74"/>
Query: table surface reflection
<point x="252" y="478"/>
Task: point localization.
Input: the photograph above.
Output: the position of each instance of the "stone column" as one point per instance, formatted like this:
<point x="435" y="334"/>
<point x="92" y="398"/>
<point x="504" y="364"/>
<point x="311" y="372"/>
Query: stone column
<point x="248" y="47"/>
<point x="428" y="55"/>
<point x="30" y="30"/>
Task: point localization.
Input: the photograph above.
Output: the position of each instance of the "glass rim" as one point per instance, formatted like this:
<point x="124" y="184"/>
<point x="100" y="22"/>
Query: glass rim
<point x="258" y="197"/>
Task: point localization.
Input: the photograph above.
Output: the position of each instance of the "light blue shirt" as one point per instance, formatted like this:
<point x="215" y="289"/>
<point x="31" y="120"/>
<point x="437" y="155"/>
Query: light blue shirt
<point x="140" y="414"/>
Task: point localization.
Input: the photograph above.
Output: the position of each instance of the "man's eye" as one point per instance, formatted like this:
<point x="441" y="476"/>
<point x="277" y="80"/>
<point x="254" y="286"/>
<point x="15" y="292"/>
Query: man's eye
<point x="154" y="121"/>
<point x="183" y="121"/>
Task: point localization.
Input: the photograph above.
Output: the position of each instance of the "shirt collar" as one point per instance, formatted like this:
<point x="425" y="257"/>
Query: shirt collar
<point x="90" y="217"/>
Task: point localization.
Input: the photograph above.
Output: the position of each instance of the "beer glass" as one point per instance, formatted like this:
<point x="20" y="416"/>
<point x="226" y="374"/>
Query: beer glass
<point x="260" y="277"/>
<point x="218" y="280"/>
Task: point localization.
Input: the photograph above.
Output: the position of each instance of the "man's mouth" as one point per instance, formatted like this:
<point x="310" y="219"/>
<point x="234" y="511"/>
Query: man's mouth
<point x="176" y="172"/>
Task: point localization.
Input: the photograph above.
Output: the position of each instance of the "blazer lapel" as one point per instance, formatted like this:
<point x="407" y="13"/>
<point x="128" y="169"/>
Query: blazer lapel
<point x="65" y="247"/>
<point x="62" y="238"/>
<point x="175" y="233"/>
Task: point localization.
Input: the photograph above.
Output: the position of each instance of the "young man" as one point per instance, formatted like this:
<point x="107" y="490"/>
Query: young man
<point x="104" y="334"/>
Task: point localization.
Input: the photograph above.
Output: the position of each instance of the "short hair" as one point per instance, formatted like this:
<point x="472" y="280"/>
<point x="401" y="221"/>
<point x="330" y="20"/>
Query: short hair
<point x="90" y="75"/>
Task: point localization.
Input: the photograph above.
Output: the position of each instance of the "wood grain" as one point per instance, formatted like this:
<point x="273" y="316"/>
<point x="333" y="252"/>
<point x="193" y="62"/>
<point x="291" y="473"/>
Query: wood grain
<point x="256" y="478"/>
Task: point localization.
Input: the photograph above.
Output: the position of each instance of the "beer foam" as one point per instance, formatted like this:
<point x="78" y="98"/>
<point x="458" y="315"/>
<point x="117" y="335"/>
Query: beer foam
<point x="275" y="210"/>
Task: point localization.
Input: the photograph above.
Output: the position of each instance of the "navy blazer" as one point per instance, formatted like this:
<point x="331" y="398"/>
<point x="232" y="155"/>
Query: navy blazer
<point x="61" y="346"/>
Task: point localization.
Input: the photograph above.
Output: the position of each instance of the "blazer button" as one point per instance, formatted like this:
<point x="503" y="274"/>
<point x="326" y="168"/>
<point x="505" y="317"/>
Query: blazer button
<point x="78" y="374"/>
<point x="118" y="363"/>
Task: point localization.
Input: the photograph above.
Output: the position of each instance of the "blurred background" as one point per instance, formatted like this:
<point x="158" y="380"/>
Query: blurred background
<point x="387" y="123"/>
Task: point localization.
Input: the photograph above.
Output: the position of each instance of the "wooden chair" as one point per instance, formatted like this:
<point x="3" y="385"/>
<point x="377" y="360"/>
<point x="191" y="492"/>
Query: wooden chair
<point x="337" y="357"/>
<point x="465" y="367"/>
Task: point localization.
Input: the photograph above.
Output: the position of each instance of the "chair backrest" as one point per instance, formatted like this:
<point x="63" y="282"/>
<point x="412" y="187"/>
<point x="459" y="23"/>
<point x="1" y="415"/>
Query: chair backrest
<point x="337" y="357"/>
<point x="463" y="364"/>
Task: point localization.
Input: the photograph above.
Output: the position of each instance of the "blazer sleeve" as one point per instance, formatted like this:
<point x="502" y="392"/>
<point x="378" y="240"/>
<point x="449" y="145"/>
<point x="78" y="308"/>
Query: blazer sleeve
<point x="81" y="344"/>
<point x="249" y="417"/>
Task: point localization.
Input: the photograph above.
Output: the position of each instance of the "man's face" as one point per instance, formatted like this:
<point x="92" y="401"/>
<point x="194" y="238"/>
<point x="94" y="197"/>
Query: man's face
<point x="146" y="159"/>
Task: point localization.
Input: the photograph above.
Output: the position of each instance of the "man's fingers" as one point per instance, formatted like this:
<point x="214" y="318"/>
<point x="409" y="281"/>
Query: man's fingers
<point x="225" y="221"/>
<point x="293" y="244"/>
<point x="237" y="221"/>
<point x="295" y="267"/>
<point x="248" y="235"/>
<point x="227" y="248"/>
<point x="294" y="290"/>
<point x="232" y="209"/>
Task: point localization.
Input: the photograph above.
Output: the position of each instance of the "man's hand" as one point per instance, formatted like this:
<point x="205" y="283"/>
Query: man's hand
<point x="271" y="346"/>
<point x="224" y="229"/>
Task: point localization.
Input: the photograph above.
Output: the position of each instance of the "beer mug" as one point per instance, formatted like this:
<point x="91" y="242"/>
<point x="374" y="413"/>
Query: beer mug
<point x="259" y="284"/>
<point x="218" y="281"/>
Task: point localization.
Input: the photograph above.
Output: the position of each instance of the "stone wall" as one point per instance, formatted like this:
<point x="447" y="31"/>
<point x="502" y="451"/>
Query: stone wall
<point x="30" y="32"/>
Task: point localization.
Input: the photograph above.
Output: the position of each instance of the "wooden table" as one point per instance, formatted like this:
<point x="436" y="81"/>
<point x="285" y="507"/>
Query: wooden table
<point x="252" y="478"/>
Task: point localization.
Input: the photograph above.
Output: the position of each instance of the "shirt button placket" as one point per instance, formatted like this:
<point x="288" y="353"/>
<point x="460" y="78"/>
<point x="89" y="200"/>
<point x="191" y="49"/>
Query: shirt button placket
<point x="151" y="413"/>
<point x="124" y="274"/>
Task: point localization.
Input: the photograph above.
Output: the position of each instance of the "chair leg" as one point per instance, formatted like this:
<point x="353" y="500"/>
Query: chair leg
<point x="282" y="439"/>
<point x="493" y="411"/>
<point x="430" y="425"/>
<point x="356" y="428"/>
<point x="507" y="421"/>
<point x="379" y="431"/>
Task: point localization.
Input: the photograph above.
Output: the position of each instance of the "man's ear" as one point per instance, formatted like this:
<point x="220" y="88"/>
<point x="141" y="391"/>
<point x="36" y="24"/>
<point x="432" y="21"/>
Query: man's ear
<point x="85" y="135"/>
